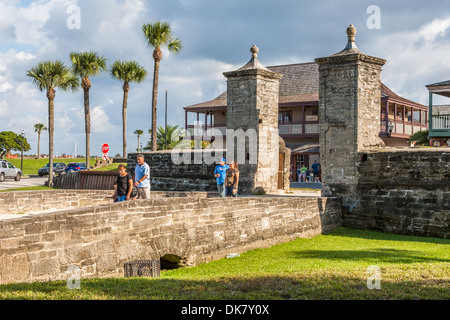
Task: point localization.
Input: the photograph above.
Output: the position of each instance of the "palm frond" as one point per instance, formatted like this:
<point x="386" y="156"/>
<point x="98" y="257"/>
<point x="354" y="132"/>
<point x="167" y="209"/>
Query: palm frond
<point x="128" y="71"/>
<point x="53" y="74"/>
<point x="87" y="64"/>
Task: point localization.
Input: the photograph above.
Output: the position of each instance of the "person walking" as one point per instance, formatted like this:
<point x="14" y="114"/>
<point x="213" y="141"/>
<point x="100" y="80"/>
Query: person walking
<point x="232" y="180"/>
<point x="142" y="178"/>
<point x="220" y="175"/>
<point x="123" y="185"/>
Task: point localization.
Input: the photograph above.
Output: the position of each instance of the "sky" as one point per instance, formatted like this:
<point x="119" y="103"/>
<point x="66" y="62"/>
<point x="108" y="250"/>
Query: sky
<point x="414" y="37"/>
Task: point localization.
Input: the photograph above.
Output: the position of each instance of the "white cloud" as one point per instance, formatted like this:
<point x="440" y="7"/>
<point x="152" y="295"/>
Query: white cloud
<point x="414" y="59"/>
<point x="435" y="28"/>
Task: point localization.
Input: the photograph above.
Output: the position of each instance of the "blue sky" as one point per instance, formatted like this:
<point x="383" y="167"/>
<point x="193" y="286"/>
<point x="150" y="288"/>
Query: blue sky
<point x="414" y="37"/>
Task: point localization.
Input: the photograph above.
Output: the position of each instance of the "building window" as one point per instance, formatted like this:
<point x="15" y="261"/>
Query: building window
<point x="300" y="160"/>
<point x="285" y="117"/>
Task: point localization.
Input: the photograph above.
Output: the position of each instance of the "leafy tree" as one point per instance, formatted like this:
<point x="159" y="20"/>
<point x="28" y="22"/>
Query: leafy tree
<point x="139" y="133"/>
<point x="158" y="35"/>
<point x="39" y="127"/>
<point x="174" y="137"/>
<point x="86" y="65"/>
<point x="49" y="76"/>
<point x="10" y="141"/>
<point x="127" y="72"/>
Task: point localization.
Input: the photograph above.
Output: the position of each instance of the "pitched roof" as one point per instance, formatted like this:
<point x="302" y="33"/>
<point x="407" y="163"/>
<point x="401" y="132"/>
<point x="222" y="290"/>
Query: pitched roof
<point x="439" y="84"/>
<point x="300" y="83"/>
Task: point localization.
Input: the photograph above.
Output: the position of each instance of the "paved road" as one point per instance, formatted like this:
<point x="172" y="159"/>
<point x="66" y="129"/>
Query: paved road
<point x="23" y="183"/>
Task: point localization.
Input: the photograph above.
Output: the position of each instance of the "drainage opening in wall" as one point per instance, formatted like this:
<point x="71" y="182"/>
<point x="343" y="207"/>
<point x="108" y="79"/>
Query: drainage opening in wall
<point x="171" y="262"/>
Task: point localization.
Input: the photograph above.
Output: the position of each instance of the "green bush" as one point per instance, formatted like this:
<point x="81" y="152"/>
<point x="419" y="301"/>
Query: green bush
<point x="421" y="138"/>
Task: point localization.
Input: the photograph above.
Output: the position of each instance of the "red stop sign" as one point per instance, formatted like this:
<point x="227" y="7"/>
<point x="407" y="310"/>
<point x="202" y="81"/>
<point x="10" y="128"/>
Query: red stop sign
<point x="105" y="148"/>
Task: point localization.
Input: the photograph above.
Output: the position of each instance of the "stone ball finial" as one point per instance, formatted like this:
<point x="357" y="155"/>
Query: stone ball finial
<point x="254" y="50"/>
<point x="351" y="33"/>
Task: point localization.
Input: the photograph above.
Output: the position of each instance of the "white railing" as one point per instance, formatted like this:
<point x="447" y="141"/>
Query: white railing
<point x="441" y="121"/>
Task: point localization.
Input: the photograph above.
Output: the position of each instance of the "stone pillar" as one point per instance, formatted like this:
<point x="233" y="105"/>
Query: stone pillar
<point x="252" y="125"/>
<point x="349" y="109"/>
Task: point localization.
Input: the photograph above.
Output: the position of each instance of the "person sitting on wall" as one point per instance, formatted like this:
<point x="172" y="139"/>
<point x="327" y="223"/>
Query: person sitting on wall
<point x="316" y="171"/>
<point x="303" y="171"/>
<point x="232" y="180"/>
<point x="220" y="174"/>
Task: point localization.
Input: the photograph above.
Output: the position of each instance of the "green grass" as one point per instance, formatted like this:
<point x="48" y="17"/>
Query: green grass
<point x="31" y="166"/>
<point x="28" y="189"/>
<point x="332" y="266"/>
<point x="111" y="167"/>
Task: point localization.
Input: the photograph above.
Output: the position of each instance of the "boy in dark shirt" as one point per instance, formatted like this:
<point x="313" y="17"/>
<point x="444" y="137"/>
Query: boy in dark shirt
<point x="124" y="184"/>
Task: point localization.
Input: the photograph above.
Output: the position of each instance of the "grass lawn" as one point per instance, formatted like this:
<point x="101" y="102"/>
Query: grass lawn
<point x="332" y="266"/>
<point x="111" y="167"/>
<point x="31" y="166"/>
<point x="28" y="189"/>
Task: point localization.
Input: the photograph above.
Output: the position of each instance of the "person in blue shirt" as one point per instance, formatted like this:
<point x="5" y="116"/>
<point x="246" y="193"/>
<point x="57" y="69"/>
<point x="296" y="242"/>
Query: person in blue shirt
<point x="220" y="174"/>
<point x="142" y="178"/>
<point x="316" y="171"/>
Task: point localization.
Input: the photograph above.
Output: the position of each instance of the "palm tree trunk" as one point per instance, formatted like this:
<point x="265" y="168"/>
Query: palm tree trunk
<point x="39" y="145"/>
<point x="87" y="118"/>
<point x="154" y="104"/>
<point x="126" y="88"/>
<point x="51" y="121"/>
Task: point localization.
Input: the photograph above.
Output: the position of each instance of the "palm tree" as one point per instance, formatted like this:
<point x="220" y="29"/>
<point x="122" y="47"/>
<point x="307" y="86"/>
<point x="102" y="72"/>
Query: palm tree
<point x="127" y="71"/>
<point x="139" y="133"/>
<point x="174" y="137"/>
<point x="85" y="65"/>
<point x="39" y="127"/>
<point x="159" y="35"/>
<point x="49" y="76"/>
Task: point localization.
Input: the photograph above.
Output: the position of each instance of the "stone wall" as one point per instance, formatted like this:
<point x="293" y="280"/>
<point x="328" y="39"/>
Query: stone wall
<point x="25" y="202"/>
<point x="403" y="192"/>
<point x="99" y="240"/>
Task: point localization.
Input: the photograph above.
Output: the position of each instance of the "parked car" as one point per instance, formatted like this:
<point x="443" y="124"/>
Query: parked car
<point x="58" y="168"/>
<point x="8" y="171"/>
<point x="75" y="166"/>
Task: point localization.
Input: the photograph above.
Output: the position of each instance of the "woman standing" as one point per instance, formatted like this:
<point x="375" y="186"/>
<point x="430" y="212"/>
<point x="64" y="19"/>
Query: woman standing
<point x="124" y="184"/>
<point x="232" y="180"/>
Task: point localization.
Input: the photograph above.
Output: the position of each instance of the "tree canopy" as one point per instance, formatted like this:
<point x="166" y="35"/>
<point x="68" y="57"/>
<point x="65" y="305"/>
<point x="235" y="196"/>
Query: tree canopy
<point x="10" y="141"/>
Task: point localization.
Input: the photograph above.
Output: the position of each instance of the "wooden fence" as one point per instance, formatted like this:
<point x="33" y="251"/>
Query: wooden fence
<point x="86" y="180"/>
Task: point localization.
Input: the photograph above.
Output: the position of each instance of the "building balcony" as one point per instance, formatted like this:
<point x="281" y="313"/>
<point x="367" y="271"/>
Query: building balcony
<point x="299" y="129"/>
<point x="401" y="128"/>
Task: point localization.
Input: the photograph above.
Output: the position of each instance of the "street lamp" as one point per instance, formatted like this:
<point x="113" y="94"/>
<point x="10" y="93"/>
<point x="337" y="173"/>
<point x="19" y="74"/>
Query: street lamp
<point x="21" y="161"/>
<point x="391" y="129"/>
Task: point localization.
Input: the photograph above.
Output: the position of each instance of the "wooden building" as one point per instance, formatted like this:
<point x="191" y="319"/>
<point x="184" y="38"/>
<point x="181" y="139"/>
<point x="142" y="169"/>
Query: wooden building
<point x="299" y="114"/>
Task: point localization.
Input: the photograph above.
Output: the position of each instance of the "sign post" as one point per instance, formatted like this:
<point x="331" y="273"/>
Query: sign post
<point x="105" y="150"/>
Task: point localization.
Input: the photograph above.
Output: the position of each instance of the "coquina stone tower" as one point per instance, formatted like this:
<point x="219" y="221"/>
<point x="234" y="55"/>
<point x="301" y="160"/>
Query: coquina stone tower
<point x="252" y="124"/>
<point x="349" y="110"/>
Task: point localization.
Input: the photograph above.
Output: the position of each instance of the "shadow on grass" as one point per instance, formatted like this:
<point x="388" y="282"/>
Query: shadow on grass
<point x="373" y="235"/>
<point x="296" y="287"/>
<point x="373" y="255"/>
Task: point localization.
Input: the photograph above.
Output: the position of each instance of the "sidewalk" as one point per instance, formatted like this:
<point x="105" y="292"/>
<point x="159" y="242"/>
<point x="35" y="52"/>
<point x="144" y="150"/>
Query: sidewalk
<point x="306" y="185"/>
